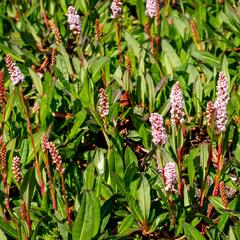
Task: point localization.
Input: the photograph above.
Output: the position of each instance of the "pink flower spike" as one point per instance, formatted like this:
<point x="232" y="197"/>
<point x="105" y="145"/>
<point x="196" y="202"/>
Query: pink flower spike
<point x="220" y="105"/>
<point x="151" y="6"/>
<point x="170" y="176"/>
<point x="158" y="131"/>
<point x="103" y="107"/>
<point x="177" y="104"/>
<point x="16" y="169"/>
<point x="14" y="71"/>
<point x="116" y="8"/>
<point x="55" y="156"/>
<point x="74" y="20"/>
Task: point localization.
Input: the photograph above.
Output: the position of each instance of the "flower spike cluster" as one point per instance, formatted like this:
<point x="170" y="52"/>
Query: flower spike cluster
<point x="152" y="6"/>
<point x="210" y="111"/>
<point x="116" y="8"/>
<point x="56" y="32"/>
<point x="158" y="131"/>
<point x="14" y="71"/>
<point x="170" y="176"/>
<point x="74" y="20"/>
<point x="220" y="105"/>
<point x="103" y="108"/>
<point x="177" y="104"/>
<point x="55" y="156"/>
<point x="44" y="142"/>
<point x="16" y="169"/>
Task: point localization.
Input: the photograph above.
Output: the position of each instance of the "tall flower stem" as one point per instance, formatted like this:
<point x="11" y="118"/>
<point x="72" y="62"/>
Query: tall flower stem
<point x="118" y="33"/>
<point x="180" y="184"/>
<point x="218" y="173"/>
<point x="65" y="198"/>
<point x="151" y="39"/>
<point x="52" y="192"/>
<point x="32" y="141"/>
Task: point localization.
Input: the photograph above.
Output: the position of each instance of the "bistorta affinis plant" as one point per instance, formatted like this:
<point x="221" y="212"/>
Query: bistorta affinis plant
<point x="103" y="107"/>
<point x="74" y="20"/>
<point x="116" y="8"/>
<point x="220" y="104"/>
<point x="170" y="176"/>
<point x="159" y="135"/>
<point x="17" y="173"/>
<point x="177" y="104"/>
<point x="150" y="8"/>
<point x="14" y="71"/>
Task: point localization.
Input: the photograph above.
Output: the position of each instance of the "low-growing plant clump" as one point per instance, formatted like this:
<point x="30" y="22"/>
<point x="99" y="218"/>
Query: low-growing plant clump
<point x="120" y="119"/>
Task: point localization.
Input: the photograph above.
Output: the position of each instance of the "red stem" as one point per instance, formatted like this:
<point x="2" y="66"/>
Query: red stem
<point x="33" y="144"/>
<point x="217" y="176"/>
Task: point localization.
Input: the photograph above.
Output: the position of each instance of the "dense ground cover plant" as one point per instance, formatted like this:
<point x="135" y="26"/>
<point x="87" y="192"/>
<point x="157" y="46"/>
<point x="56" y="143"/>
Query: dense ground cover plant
<point x="119" y="119"/>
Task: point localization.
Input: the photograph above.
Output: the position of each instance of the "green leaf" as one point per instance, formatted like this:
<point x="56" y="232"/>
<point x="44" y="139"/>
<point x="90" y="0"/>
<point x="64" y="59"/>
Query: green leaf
<point x="9" y="105"/>
<point x="97" y="67"/>
<point x="36" y="81"/>
<point x="126" y="224"/>
<point x="144" y="197"/>
<point x="134" y="207"/>
<point x="133" y="43"/>
<point x="217" y="203"/>
<point x="79" y="119"/>
<point x="206" y="57"/>
<point x="8" y="229"/>
<point x="66" y="59"/>
<point x="87" y="221"/>
<point x="171" y="54"/>
<point x="89" y="176"/>
<point x="28" y="187"/>
<point x="192" y="232"/>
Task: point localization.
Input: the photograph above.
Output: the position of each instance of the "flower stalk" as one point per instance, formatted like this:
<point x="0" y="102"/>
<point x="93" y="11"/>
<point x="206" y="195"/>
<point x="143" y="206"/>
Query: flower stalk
<point x="29" y="126"/>
<point x="46" y="162"/>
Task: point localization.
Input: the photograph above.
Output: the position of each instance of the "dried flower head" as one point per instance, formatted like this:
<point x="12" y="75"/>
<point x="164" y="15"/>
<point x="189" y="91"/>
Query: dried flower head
<point x="74" y="20"/>
<point x="128" y="65"/>
<point x="44" y="142"/>
<point x="223" y="195"/>
<point x="103" y="108"/>
<point x="159" y="135"/>
<point x="220" y="105"/>
<point x="16" y="169"/>
<point x="151" y="8"/>
<point x="98" y="30"/>
<point x="55" y="156"/>
<point x="157" y="7"/>
<point x="177" y="104"/>
<point x="116" y="8"/>
<point x="56" y="32"/>
<point x="53" y="57"/>
<point x="3" y="163"/>
<point x="2" y="89"/>
<point x="195" y="31"/>
<point x="23" y="210"/>
<point x="210" y="112"/>
<point x="14" y="71"/>
<point x="170" y="176"/>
